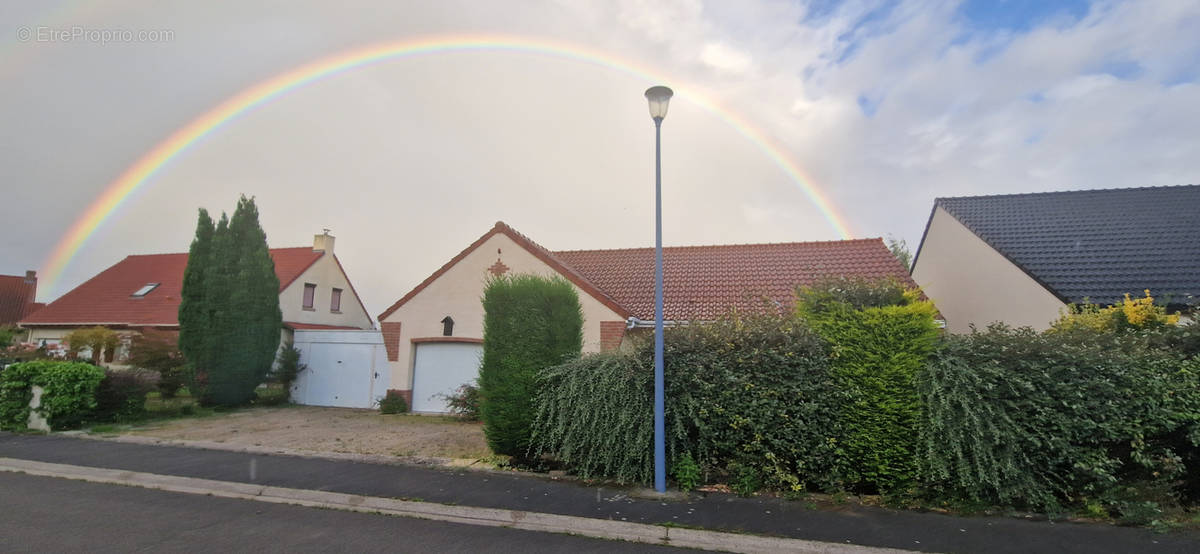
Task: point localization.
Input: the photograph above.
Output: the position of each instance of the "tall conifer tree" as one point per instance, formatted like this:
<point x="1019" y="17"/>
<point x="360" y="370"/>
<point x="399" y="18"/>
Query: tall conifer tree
<point x="193" y="306"/>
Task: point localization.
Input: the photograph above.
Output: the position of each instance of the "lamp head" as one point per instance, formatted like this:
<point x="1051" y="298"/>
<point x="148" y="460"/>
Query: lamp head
<point x="658" y="97"/>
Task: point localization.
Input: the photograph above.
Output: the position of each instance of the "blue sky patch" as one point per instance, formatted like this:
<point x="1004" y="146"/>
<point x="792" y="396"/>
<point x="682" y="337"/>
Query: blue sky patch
<point x="1020" y="15"/>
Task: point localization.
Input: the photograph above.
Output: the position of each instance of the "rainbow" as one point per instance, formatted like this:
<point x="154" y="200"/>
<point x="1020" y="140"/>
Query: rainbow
<point x="137" y="175"/>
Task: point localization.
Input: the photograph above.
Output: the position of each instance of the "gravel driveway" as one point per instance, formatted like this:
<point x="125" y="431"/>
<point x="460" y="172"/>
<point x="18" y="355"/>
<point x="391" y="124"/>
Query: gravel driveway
<point x="341" y="430"/>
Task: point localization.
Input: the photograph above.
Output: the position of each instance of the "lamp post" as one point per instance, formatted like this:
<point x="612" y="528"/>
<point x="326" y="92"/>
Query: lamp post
<point x="658" y="97"/>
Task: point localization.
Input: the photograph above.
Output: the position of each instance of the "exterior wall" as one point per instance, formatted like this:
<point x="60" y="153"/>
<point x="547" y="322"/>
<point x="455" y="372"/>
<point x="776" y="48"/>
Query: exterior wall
<point x="457" y="293"/>
<point x="972" y="283"/>
<point x="327" y="275"/>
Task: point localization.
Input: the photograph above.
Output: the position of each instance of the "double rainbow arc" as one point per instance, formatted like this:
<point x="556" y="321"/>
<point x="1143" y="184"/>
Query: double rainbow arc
<point x="141" y="172"/>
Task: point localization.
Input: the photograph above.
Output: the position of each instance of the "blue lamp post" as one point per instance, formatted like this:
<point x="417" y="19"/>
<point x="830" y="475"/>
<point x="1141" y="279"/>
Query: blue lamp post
<point x="658" y="97"/>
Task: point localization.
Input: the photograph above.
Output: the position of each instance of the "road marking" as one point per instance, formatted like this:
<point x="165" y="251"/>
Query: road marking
<point x="492" y="517"/>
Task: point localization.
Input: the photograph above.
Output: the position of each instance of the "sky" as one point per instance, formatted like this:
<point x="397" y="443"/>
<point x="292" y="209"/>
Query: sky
<point x="876" y="107"/>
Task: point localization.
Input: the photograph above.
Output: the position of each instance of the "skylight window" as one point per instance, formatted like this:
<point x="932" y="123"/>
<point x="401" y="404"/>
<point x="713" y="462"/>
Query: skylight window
<point x="144" y="290"/>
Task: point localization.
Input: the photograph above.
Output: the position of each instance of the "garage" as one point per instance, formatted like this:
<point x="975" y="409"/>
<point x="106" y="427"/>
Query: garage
<point x="344" y="368"/>
<point x="439" y="369"/>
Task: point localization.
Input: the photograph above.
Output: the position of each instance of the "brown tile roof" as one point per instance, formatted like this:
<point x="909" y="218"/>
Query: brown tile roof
<point x="700" y="282"/>
<point x="704" y="282"/>
<point x="16" y="298"/>
<point x="106" y="299"/>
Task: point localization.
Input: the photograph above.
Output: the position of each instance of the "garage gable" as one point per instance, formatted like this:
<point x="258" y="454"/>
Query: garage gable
<point x="501" y="250"/>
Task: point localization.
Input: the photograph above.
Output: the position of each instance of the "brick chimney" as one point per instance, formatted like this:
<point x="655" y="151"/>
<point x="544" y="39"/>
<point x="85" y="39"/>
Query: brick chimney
<point x="30" y="277"/>
<point x="323" y="242"/>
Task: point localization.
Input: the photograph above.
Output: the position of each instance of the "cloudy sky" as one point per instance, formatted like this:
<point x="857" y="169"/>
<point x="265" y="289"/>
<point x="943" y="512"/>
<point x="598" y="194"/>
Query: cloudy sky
<point x="882" y="105"/>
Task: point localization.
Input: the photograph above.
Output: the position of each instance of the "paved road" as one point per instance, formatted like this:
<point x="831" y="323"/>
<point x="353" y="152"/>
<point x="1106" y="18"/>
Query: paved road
<point x="855" y="525"/>
<point x="44" y="514"/>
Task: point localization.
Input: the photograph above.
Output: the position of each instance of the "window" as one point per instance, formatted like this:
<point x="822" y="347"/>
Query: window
<point x="144" y="290"/>
<point x="447" y="327"/>
<point x="335" y="301"/>
<point x="310" y="293"/>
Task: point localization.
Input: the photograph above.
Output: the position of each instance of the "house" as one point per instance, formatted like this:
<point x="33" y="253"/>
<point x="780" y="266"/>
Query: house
<point x="434" y="334"/>
<point x="1021" y="258"/>
<point x="17" y="297"/>
<point x="143" y="292"/>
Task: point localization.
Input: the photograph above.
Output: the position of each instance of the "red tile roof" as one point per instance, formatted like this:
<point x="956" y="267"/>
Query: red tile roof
<point x="317" y="327"/>
<point x="700" y="282"/>
<point x="106" y="298"/>
<point x="16" y="298"/>
<point x="703" y="282"/>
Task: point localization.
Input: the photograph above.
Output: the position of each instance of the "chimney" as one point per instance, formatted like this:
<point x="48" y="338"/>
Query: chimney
<point x="30" y="277"/>
<point x="323" y="242"/>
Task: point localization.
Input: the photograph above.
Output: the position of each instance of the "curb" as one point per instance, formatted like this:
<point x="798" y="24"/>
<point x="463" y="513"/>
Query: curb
<point x="516" y="519"/>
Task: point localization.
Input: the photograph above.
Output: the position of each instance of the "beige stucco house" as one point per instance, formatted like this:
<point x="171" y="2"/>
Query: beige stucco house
<point x="1021" y="258"/>
<point x="143" y="292"/>
<point x="434" y="334"/>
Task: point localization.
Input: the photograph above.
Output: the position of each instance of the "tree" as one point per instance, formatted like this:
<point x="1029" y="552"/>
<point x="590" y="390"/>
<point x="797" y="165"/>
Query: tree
<point x="899" y="248"/>
<point x="234" y="330"/>
<point x="194" y="307"/>
<point x="530" y="323"/>
<point x="98" y="340"/>
<point x="158" y="351"/>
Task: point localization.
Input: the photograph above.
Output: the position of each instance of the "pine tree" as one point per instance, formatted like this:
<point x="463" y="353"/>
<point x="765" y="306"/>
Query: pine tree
<point x="193" y="308"/>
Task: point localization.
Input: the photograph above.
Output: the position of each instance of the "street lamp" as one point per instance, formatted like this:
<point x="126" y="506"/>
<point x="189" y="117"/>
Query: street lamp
<point x="658" y="97"/>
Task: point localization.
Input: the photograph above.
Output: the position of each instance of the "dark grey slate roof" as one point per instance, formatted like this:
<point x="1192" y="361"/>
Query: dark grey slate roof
<point x="1098" y="244"/>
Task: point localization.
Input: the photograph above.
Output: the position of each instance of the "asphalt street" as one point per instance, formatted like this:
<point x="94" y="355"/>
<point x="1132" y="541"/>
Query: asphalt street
<point x="45" y="514"/>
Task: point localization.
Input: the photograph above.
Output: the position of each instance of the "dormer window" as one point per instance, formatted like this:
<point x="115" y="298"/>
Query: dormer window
<point x="144" y="290"/>
<point x="447" y="327"/>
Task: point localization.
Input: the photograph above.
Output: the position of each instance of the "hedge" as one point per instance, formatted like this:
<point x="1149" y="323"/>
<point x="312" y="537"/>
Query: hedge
<point x="69" y="392"/>
<point x="744" y="395"/>
<point x="1014" y="417"/>
<point x="880" y="337"/>
<point x="530" y="323"/>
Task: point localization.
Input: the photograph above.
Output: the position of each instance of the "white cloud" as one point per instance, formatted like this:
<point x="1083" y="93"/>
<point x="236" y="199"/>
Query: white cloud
<point x="723" y="57"/>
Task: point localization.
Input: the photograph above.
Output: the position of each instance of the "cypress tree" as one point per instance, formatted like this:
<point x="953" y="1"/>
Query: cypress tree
<point x="254" y="299"/>
<point x="217" y="374"/>
<point x="193" y="308"/>
<point x="530" y="323"/>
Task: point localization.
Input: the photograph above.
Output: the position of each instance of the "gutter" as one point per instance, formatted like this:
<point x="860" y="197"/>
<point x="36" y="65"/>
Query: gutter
<point x="635" y="323"/>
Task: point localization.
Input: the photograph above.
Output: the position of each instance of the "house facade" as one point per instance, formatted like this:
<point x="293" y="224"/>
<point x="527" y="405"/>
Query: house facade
<point x="1022" y="258"/>
<point x="434" y="334"/>
<point x="143" y="292"/>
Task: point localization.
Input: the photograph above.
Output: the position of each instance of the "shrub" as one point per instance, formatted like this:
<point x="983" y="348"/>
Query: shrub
<point x="464" y="402"/>
<point x="393" y="403"/>
<point x="270" y="396"/>
<point x="1014" y="417"/>
<point x="7" y="334"/>
<point x="158" y="351"/>
<point x="1128" y="314"/>
<point x="101" y="342"/>
<point x="288" y="367"/>
<point x="880" y="337"/>
<point x="530" y="323"/>
<point x="69" y="392"/>
<point x="121" y="396"/>
<point x="755" y="391"/>
<point x="686" y="472"/>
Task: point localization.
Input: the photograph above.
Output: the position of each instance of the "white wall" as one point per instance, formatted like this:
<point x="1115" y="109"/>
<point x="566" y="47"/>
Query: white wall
<point x="458" y="293"/>
<point x="326" y="274"/>
<point x="970" y="282"/>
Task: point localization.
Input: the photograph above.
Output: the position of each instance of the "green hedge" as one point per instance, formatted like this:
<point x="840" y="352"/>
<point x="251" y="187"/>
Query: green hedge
<point x="879" y="340"/>
<point x="530" y="323"/>
<point x="1015" y="417"/>
<point x="69" y="394"/>
<point x="744" y="395"/>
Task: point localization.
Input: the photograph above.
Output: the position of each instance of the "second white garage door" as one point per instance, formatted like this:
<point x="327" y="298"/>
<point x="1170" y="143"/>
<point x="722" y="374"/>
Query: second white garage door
<point x="439" y="369"/>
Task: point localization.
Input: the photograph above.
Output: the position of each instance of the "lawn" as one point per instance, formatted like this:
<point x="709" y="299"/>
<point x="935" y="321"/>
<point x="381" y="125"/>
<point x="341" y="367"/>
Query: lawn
<point x="317" y="429"/>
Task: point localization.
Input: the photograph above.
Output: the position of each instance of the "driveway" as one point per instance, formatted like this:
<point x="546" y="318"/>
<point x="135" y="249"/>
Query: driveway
<point x="339" y="430"/>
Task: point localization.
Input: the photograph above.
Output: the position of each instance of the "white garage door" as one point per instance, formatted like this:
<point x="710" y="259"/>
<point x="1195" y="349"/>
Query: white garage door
<point x="344" y="368"/>
<point x="439" y="369"/>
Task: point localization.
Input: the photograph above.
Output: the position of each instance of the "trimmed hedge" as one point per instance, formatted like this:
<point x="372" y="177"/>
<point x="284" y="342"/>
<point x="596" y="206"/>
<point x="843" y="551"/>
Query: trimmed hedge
<point x="1014" y="417"/>
<point x="530" y="323"/>
<point x="880" y="337"/>
<point x="69" y="395"/>
<point x="745" y="395"/>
